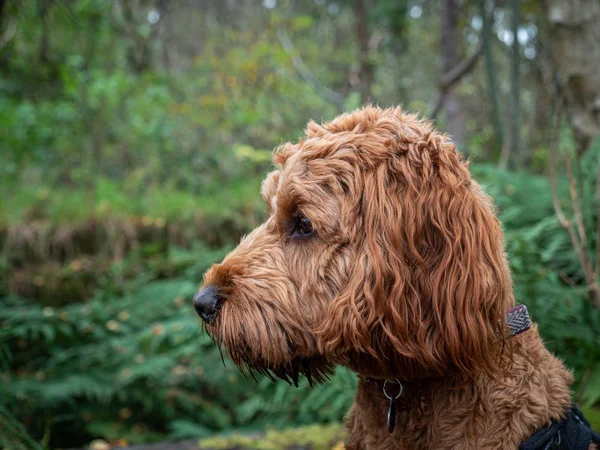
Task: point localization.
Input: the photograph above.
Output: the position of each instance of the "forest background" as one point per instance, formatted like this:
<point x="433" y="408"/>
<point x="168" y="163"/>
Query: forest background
<point x="133" y="139"/>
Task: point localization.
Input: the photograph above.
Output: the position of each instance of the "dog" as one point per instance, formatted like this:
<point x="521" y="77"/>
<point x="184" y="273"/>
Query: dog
<point x="382" y="254"/>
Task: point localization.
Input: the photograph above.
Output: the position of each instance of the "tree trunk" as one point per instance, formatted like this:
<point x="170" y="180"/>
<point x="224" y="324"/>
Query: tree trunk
<point x="455" y="123"/>
<point x="2" y="5"/>
<point x="365" y="69"/>
<point x="574" y="30"/>
<point x="515" y="137"/>
<point x="45" y="33"/>
<point x="490" y="71"/>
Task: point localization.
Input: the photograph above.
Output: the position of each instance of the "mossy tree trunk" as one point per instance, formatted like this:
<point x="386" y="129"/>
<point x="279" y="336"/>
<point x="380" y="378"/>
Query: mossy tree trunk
<point x="574" y="31"/>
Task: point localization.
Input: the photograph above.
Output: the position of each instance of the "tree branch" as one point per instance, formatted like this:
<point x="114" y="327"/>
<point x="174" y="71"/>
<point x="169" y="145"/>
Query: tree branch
<point x="462" y="68"/>
<point x="305" y="73"/>
<point x="579" y="242"/>
<point x="575" y="200"/>
<point x="562" y="220"/>
<point x="454" y="75"/>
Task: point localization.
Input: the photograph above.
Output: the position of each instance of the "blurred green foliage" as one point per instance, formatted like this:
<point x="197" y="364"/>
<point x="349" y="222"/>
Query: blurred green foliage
<point x="91" y="366"/>
<point x="132" y="155"/>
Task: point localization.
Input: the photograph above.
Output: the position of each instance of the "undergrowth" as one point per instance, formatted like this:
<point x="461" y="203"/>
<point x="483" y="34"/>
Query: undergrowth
<point x="138" y="367"/>
<point x="116" y="200"/>
<point x="130" y="360"/>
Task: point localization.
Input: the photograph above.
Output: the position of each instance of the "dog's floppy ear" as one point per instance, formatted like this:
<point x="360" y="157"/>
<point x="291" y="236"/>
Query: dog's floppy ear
<point x="430" y="284"/>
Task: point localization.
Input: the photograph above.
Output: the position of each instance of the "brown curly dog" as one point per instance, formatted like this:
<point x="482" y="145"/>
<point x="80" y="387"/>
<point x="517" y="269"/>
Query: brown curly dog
<point x="382" y="254"/>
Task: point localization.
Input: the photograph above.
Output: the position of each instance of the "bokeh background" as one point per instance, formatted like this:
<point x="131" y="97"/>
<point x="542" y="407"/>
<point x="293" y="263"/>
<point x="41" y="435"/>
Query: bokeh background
<point x="133" y="138"/>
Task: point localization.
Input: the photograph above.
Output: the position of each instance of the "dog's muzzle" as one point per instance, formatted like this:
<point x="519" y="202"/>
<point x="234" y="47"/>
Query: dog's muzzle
<point x="207" y="303"/>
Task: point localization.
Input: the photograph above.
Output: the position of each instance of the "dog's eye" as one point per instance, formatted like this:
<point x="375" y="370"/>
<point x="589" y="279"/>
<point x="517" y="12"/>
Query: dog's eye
<point x="302" y="227"/>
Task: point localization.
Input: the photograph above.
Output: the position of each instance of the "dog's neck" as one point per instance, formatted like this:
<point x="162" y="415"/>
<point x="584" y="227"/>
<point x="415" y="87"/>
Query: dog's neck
<point x="447" y="413"/>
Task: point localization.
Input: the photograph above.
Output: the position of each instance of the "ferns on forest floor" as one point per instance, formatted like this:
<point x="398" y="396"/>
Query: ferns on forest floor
<point x="92" y="366"/>
<point x="132" y="362"/>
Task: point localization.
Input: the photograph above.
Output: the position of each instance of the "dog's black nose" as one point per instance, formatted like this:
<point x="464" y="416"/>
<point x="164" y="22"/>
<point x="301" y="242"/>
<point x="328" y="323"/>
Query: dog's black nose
<point x="207" y="304"/>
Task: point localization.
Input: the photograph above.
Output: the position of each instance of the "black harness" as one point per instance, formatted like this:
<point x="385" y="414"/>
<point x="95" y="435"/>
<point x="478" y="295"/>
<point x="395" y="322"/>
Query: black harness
<point x="571" y="433"/>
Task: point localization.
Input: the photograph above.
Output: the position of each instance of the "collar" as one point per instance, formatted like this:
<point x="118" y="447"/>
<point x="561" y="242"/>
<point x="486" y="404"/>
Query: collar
<point x="517" y="321"/>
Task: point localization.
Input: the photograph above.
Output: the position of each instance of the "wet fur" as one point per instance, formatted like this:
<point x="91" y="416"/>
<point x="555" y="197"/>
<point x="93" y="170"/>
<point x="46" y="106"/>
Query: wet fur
<point x="405" y="277"/>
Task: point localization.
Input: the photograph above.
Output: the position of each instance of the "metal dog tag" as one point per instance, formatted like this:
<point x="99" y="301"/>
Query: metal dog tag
<point x="391" y="417"/>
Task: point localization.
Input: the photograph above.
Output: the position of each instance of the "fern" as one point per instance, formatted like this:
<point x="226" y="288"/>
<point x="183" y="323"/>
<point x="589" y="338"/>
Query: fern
<point x="133" y="362"/>
<point x="13" y="435"/>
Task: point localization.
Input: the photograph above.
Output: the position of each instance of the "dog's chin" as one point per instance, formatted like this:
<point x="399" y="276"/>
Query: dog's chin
<point x="316" y="368"/>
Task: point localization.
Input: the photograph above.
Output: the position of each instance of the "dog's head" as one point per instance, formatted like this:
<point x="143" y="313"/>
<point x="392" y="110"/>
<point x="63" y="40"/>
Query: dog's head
<point x="380" y="252"/>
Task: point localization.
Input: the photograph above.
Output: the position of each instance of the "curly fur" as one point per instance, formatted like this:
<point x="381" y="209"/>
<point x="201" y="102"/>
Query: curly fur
<point x="405" y="277"/>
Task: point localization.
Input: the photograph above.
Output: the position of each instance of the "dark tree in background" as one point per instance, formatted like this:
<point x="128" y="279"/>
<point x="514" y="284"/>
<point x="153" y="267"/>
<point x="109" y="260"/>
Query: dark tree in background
<point x="365" y="70"/>
<point x="449" y="46"/>
<point x="490" y="72"/>
<point x="575" y="39"/>
<point x="515" y="93"/>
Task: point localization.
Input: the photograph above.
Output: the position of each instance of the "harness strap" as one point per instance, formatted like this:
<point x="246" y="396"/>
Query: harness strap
<point x="572" y="433"/>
